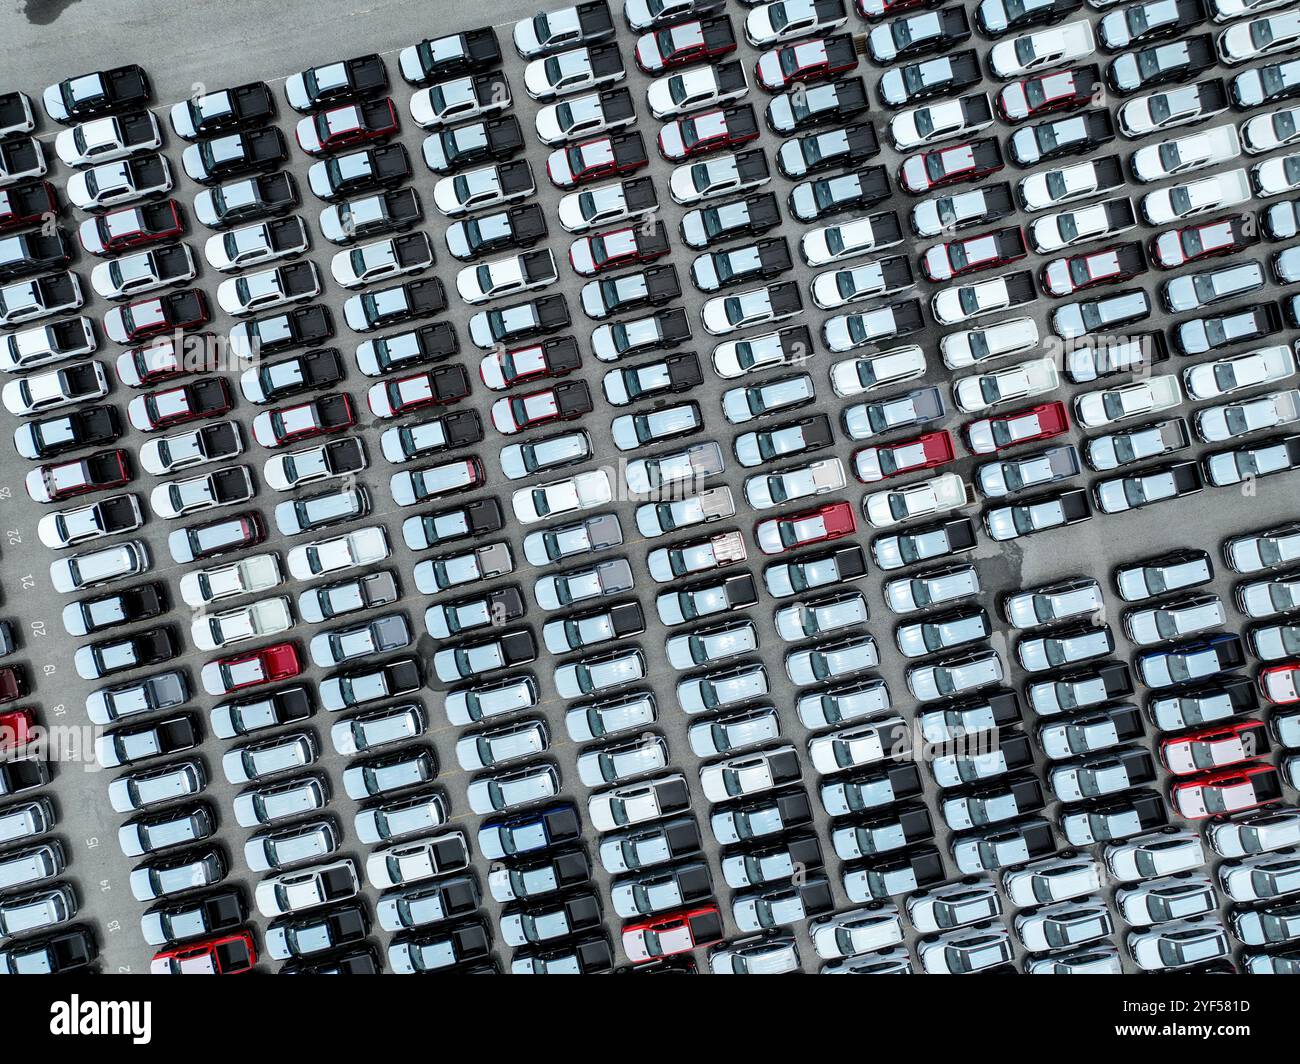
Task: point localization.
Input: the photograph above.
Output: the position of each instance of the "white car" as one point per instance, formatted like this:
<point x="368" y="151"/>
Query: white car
<point x="970" y="347"/>
<point x="689" y="90"/>
<point x="1265" y="133"/>
<point x="224" y="487"/>
<point x="1211" y="380"/>
<point x="80" y="524"/>
<point x="559" y="497"/>
<point x="256" y="244"/>
<point x="924" y="498"/>
<point x="248" y="576"/>
<point x="605" y="204"/>
<point x="719" y="175"/>
<point x="961" y="303"/>
<point x="579" y="117"/>
<point x="852" y="284"/>
<point x="362" y="546"/>
<point x="1177" y="106"/>
<point x="1022" y="381"/>
<point x="459" y="100"/>
<point x="54" y="389"/>
<point x="1041" y="50"/>
<point x="757" y="306"/>
<point x="42" y="345"/>
<point x="933" y="122"/>
<point x="1045" y="189"/>
<point x="144" y="271"/>
<point x="94" y="567"/>
<point x="1249" y="41"/>
<point x="1275" y="177"/>
<point x="1108" y="405"/>
<point x="1217" y="192"/>
<point x="847" y="240"/>
<point x="854" y="376"/>
<point x="847" y="748"/>
<point x="307" y="888"/>
<point x="1055" y="232"/>
<point x="764" y="490"/>
<point x="506" y="276"/>
<point x="382" y="260"/>
<point x="479" y="189"/>
<point x="570" y="72"/>
<point x="266" y="617"/>
<point x="769" y="24"/>
<point x="1196" y="151"/>
<point x="266" y="289"/>
<point x="115" y="185"/>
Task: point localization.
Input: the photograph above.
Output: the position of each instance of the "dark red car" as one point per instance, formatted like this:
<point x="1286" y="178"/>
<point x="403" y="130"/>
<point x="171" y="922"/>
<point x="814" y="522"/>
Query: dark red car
<point x="947" y="166"/>
<point x="132" y="227"/>
<point x="873" y="464"/>
<point x="700" y="41"/>
<point x="142" y="367"/>
<point x="302" y="421"/>
<point x="157" y="315"/>
<point x="16" y="729"/>
<point x="1058" y="91"/>
<point x="671" y="933"/>
<point x="13" y="683"/>
<point x="806" y="61"/>
<point x="227" y="955"/>
<point x="280" y="661"/>
<point x="791" y="531"/>
<point x="1192" y="243"/>
<point x="1227" y="791"/>
<point x="595" y="160"/>
<point x="695" y="135"/>
<point x="944" y="261"/>
<point x="27" y="204"/>
<point x="1065" y="276"/>
<point x="630" y="246"/>
<point x="1031" y="425"/>
<point x="347" y="127"/>
<point x="1280" y="684"/>
<point x="205" y="398"/>
<point x="79" y="476"/>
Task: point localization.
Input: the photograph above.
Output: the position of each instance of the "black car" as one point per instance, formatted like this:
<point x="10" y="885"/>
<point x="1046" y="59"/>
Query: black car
<point x="235" y="154"/>
<point x="98" y="614"/>
<point x="335" y="83"/>
<point x="64" y="952"/>
<point x="105" y="92"/>
<point x="242" y="107"/>
<point x="247" y="200"/>
<point x="438" y="58"/>
<point x="109" y="656"/>
<point x="825" y="197"/>
<point x="355" y="172"/>
<point x="845" y="146"/>
<point x="380" y="308"/>
<point x="92" y="426"/>
<point x="417" y="347"/>
<point x="371" y="683"/>
<point x="1159" y="64"/>
<point x="997" y="18"/>
<point x="751" y="216"/>
<point x="944" y="75"/>
<point x="312" y="933"/>
<point x="273" y="381"/>
<point x="1072" y="135"/>
<point x="493" y="140"/>
<point x="244" y="716"/>
<point x="518" y="227"/>
<point x="222" y="910"/>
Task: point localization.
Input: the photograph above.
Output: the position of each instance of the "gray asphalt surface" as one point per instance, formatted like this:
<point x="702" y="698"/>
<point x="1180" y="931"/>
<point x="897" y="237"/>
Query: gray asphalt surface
<point x="204" y="45"/>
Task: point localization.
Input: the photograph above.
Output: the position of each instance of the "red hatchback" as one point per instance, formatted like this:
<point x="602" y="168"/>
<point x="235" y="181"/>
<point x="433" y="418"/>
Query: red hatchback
<point x="228" y="955"/>
<point x="16" y="729"/>
<point x="253" y="668"/>
<point x="1037" y="423"/>
<point x="873" y="464"/>
<point x="1227" y="791"/>
<point x="132" y="227"/>
<point x="347" y="127"/>
<point x="672" y="933"/>
<point x="791" y="531"/>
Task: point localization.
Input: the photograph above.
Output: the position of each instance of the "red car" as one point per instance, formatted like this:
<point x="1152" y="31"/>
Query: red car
<point x="175" y="311"/>
<point x="806" y="61"/>
<point x="595" y="160"/>
<point x="16" y="729"/>
<point x="1225" y="236"/>
<point x="132" y="227"/>
<point x="204" y="398"/>
<point x="1280" y="684"/>
<point x="561" y="402"/>
<point x="874" y="10"/>
<point x="873" y="464"/>
<point x="1065" y="276"/>
<point x="347" y="127"/>
<point x="432" y="387"/>
<point x="1214" y="747"/>
<point x="78" y="476"/>
<point x="696" y="135"/>
<point x="228" y="955"/>
<point x="942" y="262"/>
<point x="13" y="683"/>
<point x="1036" y="423"/>
<point x="690" y="42"/>
<point x="27" y="204"/>
<point x="1057" y="91"/>
<point x="947" y="166"/>
<point x="1229" y="790"/>
<point x="790" y="531"/>
<point x="281" y="661"/>
<point x="552" y="358"/>
<point x="633" y="246"/>
<point x="672" y="933"/>
<point x="303" y="421"/>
